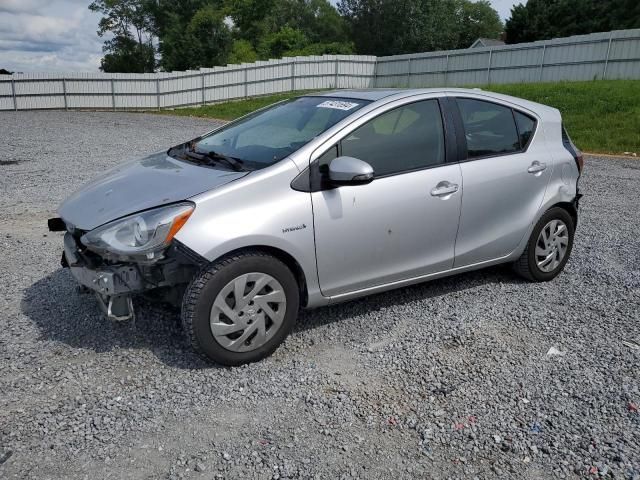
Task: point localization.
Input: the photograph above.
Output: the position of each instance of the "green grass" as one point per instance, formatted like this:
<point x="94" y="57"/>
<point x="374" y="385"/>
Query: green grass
<point x="601" y="116"/>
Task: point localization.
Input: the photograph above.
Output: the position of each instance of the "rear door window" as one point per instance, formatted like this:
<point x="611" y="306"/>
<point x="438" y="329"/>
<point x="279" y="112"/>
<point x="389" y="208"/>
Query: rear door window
<point x="490" y="129"/>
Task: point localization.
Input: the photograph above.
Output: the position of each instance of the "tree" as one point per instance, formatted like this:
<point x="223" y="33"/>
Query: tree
<point x="276" y="45"/>
<point x="170" y="20"/>
<point x="544" y="19"/>
<point x="288" y="27"/>
<point x="389" y="27"/>
<point x="210" y="37"/>
<point x="477" y="20"/>
<point x="124" y="54"/>
<point x="131" y="49"/>
<point x="242" y="52"/>
<point x="4" y="71"/>
<point x="250" y="18"/>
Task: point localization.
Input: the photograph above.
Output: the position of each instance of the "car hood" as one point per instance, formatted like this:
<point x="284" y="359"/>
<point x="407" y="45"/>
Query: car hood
<point x="139" y="185"/>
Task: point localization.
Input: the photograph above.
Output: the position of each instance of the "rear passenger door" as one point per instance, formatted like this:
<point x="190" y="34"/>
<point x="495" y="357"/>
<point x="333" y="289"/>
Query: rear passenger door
<point x="505" y="175"/>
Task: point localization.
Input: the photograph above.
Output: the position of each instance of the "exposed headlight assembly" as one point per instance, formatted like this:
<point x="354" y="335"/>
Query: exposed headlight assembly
<point x="141" y="236"/>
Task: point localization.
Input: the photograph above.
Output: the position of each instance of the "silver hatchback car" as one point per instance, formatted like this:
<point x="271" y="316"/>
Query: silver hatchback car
<point x="321" y="199"/>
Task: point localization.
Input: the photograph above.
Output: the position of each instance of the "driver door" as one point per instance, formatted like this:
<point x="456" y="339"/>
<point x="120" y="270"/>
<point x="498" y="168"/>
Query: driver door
<point x="401" y="225"/>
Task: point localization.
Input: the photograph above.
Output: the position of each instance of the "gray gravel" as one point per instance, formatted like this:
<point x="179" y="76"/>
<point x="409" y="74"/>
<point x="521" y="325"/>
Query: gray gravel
<point x="448" y="379"/>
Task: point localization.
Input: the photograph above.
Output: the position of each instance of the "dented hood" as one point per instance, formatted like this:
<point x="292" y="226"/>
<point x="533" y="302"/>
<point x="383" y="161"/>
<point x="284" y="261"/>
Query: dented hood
<point x="150" y="182"/>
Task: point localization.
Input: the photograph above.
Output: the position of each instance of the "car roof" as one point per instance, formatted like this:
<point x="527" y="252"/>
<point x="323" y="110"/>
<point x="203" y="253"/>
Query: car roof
<point x="375" y="94"/>
<point x="371" y="94"/>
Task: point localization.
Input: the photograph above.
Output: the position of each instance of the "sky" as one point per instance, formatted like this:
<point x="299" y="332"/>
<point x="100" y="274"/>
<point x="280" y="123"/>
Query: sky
<point x="60" y="35"/>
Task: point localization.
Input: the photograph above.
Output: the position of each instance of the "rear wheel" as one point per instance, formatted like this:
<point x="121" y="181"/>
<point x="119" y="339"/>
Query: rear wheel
<point x="548" y="248"/>
<point x="241" y="308"/>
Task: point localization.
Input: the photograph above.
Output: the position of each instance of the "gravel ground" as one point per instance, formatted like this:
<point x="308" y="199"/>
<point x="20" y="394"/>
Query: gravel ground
<point x="448" y="379"/>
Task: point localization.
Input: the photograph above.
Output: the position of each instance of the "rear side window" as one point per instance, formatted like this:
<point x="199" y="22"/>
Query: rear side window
<point x="526" y="126"/>
<point x="407" y="138"/>
<point x="490" y="128"/>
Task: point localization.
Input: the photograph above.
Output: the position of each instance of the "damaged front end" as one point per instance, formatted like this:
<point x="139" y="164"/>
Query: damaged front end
<point x="136" y="255"/>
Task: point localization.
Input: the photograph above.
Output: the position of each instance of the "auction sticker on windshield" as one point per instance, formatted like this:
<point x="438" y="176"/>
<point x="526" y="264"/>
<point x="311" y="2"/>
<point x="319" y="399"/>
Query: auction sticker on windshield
<point x="336" y="105"/>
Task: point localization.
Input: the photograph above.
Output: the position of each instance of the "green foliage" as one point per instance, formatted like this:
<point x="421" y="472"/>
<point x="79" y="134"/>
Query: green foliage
<point x="544" y="19"/>
<point x="601" y="116"/>
<point x="210" y="37"/>
<point x="131" y="49"/>
<point x="477" y="20"/>
<point x="124" y="54"/>
<point x="242" y="52"/>
<point x="276" y="45"/>
<point x="191" y="33"/>
<point x="277" y="28"/>
<point x="122" y="17"/>
<point x="335" y="48"/>
<point x="384" y="27"/>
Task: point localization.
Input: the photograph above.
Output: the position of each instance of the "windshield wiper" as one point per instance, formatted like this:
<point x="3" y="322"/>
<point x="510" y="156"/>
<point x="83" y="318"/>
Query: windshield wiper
<point x="235" y="163"/>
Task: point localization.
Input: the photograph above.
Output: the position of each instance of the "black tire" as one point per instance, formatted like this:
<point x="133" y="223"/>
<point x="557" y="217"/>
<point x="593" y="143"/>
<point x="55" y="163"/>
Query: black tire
<point x="202" y="292"/>
<point x="526" y="266"/>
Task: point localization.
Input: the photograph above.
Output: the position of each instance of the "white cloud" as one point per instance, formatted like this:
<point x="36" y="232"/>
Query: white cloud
<point x="17" y="6"/>
<point x="46" y="36"/>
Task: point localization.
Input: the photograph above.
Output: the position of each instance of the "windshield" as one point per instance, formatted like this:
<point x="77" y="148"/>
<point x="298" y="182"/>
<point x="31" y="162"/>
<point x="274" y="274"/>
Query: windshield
<point x="268" y="136"/>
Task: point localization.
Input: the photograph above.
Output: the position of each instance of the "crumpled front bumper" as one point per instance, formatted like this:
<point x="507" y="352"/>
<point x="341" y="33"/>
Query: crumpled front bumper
<point x="113" y="285"/>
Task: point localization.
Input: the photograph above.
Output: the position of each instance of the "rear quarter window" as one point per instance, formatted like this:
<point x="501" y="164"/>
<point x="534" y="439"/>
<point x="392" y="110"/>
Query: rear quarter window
<point x="526" y="126"/>
<point x="490" y="129"/>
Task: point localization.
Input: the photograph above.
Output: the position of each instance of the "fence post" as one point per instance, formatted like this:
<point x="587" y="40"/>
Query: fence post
<point x="409" y="72"/>
<point x="158" y="93"/>
<point x="246" y="81"/>
<point x="64" y="92"/>
<point x="113" y="95"/>
<point x="375" y="73"/>
<point x="544" y="51"/>
<point x="13" y="93"/>
<point x="293" y="74"/>
<point x="337" y="71"/>
<point x="606" y="60"/>
<point x="489" y="68"/>
<point x="204" y="97"/>
<point x="446" y="70"/>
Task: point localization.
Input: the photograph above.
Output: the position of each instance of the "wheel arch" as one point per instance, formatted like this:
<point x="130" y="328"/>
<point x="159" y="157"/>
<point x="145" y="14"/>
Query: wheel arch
<point x="570" y="209"/>
<point x="286" y="258"/>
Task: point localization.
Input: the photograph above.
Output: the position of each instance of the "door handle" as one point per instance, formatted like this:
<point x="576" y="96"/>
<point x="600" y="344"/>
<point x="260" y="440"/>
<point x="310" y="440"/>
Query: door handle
<point x="444" y="189"/>
<point x="537" y="168"/>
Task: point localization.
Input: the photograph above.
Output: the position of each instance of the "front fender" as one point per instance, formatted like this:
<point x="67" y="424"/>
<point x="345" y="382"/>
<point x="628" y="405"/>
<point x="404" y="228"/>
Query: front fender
<point x="260" y="210"/>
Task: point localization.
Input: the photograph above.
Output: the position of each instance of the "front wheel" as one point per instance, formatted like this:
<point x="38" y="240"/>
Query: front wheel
<point x="241" y="308"/>
<point x="548" y="248"/>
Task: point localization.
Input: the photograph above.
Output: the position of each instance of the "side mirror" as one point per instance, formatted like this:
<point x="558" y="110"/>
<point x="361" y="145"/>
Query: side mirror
<point x="350" y="171"/>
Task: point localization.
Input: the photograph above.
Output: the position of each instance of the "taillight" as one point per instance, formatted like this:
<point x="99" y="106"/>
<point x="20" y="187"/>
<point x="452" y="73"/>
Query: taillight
<point x="575" y="153"/>
<point x="580" y="161"/>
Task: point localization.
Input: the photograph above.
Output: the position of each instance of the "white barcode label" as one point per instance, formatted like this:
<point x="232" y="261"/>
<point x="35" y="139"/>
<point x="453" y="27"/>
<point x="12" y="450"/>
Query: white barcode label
<point x="335" y="104"/>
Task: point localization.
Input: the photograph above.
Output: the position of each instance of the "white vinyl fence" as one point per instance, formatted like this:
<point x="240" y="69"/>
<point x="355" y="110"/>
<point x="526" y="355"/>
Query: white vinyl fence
<point x="611" y="55"/>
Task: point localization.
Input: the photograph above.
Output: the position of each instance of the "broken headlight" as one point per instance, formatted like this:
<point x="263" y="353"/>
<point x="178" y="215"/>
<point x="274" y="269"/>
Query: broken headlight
<point x="142" y="235"/>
